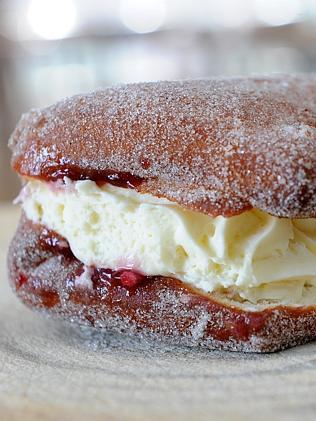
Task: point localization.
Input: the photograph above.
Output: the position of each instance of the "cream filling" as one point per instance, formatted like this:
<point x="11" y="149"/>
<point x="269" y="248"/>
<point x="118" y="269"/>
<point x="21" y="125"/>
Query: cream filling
<point x="253" y="256"/>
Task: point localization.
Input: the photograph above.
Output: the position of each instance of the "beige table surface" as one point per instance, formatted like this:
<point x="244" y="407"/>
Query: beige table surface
<point x="51" y="371"/>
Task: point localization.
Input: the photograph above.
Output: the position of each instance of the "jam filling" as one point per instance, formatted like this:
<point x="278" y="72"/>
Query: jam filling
<point x="101" y="278"/>
<point x="121" y="293"/>
<point x="126" y="278"/>
<point x="52" y="242"/>
<point x="100" y="177"/>
<point x="21" y="279"/>
<point x="131" y="279"/>
<point x="118" y="179"/>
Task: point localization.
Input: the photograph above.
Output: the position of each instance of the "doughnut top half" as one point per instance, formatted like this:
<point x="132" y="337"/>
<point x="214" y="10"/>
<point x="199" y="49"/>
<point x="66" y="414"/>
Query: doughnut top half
<point x="219" y="146"/>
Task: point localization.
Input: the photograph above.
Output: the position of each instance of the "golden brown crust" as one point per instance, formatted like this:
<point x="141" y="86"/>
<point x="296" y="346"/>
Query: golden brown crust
<point x="162" y="308"/>
<point x="219" y="146"/>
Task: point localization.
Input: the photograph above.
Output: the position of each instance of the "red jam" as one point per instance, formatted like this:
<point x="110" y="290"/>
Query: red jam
<point x="129" y="279"/>
<point x="49" y="298"/>
<point x="129" y="294"/>
<point x="20" y="280"/>
<point x="51" y="241"/>
<point x="118" y="179"/>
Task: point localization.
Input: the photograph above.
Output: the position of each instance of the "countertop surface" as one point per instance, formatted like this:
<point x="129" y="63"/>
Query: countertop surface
<point x="50" y="371"/>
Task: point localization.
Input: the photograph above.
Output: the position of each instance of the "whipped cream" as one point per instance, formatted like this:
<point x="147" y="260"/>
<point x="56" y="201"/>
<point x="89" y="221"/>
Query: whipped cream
<point x="253" y="255"/>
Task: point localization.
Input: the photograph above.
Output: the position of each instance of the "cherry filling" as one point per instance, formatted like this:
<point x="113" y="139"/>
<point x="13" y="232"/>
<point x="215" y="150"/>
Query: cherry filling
<point x="125" y="282"/>
<point x="126" y="278"/>
<point x="124" y="293"/>
<point x="51" y="241"/>
<point x="118" y="179"/>
<point x="100" y="177"/>
<point x="21" y="279"/>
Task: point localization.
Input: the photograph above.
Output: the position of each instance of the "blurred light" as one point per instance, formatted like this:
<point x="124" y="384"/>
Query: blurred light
<point x="52" y="19"/>
<point x="48" y="83"/>
<point x="310" y="8"/>
<point x="229" y="13"/>
<point x="143" y="16"/>
<point x="277" y="12"/>
<point x="8" y="26"/>
<point x="140" y="65"/>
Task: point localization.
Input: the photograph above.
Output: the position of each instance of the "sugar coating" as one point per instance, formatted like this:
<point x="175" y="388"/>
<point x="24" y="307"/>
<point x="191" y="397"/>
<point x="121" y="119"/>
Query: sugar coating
<point x="219" y="146"/>
<point x="84" y="279"/>
<point x="169" y="313"/>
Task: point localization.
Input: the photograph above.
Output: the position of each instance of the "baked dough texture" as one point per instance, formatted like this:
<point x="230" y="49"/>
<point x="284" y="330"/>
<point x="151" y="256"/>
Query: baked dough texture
<point x="216" y="146"/>
<point x="43" y="276"/>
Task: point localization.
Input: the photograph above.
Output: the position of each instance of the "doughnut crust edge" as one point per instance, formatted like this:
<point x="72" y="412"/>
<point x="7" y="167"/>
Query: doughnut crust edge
<point x="218" y="146"/>
<point x="164" y="309"/>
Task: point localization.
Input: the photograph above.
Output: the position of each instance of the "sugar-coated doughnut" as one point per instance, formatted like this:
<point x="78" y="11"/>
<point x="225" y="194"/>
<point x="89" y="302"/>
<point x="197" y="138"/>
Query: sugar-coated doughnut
<point x="183" y="211"/>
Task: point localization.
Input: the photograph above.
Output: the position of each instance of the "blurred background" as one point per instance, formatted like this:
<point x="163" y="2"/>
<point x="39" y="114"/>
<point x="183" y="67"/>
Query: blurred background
<point x="55" y="48"/>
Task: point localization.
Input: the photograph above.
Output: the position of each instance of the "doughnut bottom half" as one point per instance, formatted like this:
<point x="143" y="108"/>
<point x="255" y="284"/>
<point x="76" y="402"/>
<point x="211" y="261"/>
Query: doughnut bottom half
<point x="43" y="272"/>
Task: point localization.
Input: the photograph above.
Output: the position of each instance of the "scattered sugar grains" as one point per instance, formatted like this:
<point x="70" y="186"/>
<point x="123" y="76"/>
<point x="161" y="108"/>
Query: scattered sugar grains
<point x="172" y="317"/>
<point x="218" y="146"/>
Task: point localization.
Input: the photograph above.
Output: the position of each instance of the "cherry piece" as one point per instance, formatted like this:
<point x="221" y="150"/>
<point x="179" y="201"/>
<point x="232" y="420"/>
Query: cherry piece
<point x="130" y="279"/>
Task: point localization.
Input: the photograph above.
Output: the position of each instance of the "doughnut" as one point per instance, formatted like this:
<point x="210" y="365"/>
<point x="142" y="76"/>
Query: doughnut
<point x="180" y="211"/>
